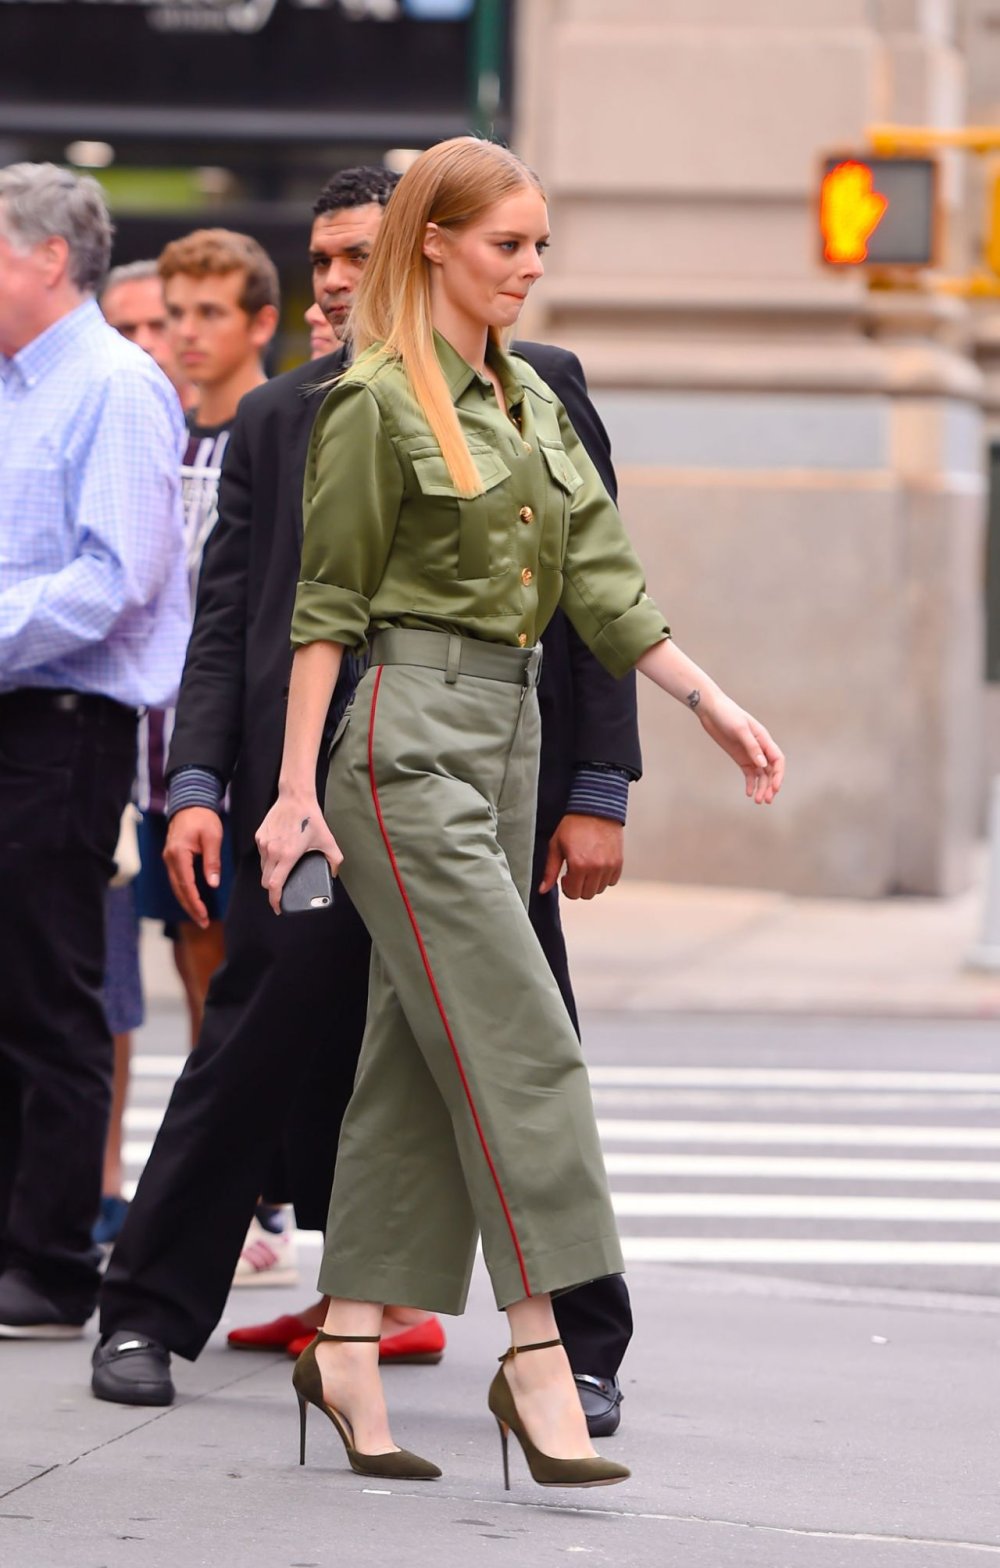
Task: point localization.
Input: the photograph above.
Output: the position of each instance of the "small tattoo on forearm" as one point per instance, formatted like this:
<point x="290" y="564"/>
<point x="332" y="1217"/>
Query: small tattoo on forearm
<point x="693" y="698"/>
<point x="303" y="824"/>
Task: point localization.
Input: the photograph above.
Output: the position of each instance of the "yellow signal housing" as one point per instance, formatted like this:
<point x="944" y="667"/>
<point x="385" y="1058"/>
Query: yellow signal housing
<point x="992" y="248"/>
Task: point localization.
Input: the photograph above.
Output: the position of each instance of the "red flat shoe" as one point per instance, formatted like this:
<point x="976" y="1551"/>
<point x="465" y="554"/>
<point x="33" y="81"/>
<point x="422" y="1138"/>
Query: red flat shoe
<point x="280" y="1334"/>
<point x="296" y="1346"/>
<point x="421" y="1345"/>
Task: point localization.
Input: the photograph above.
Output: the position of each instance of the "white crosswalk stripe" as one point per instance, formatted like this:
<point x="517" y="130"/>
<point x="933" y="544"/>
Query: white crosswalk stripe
<point x="806" y="1206"/>
<point x="157" y="1067"/>
<point x="801" y="1168"/>
<point x="889" y="1135"/>
<point x="773" y="1173"/>
<point x="790" y="1078"/>
<point x="813" y="1168"/>
<point x="811" y="1249"/>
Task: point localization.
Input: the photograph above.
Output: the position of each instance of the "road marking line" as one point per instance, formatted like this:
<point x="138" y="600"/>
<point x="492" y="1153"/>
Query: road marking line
<point x="156" y="1066"/>
<point x="798" y="1167"/>
<point x="809" y="1249"/>
<point x="788" y="1102"/>
<point x="665" y="1131"/>
<point x="771" y="1205"/>
<point x="782" y="1168"/>
<point x="143" y="1118"/>
<point x="791" y="1078"/>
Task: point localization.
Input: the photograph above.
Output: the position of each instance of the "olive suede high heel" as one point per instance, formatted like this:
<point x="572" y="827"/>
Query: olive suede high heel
<point x="307" y="1380"/>
<point x="546" y="1470"/>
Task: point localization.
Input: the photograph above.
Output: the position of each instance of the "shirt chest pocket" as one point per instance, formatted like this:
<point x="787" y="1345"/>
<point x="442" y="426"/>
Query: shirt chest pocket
<point x="564" y="482"/>
<point x="462" y="536"/>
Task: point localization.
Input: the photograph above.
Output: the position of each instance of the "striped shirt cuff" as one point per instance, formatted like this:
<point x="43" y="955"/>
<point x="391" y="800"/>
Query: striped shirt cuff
<point x="599" y="790"/>
<point x="193" y="786"/>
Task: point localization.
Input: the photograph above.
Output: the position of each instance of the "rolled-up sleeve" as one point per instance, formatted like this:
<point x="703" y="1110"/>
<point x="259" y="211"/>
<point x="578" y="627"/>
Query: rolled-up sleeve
<point x="604" y="587"/>
<point x="350" y="507"/>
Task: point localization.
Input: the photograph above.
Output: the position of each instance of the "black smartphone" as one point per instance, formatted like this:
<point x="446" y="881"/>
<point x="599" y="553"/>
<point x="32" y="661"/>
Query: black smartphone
<point x="309" y="885"/>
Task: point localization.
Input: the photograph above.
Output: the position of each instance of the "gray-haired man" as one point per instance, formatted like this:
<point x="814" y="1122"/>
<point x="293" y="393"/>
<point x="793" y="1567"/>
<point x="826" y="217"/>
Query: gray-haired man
<point x="93" y="624"/>
<point x="132" y="301"/>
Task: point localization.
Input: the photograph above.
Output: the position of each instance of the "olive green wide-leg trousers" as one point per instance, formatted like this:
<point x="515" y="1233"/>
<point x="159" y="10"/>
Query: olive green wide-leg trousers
<point x="471" y="1110"/>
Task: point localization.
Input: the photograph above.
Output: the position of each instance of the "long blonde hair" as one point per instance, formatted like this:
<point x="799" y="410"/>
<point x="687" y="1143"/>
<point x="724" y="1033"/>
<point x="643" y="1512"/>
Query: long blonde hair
<point x="451" y="184"/>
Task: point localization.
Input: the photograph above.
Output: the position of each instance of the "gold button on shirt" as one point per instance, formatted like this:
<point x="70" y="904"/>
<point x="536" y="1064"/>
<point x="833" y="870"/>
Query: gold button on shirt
<point x="389" y="541"/>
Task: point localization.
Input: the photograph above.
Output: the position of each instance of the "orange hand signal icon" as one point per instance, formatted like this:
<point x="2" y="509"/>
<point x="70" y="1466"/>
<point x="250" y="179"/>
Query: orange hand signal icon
<point x="850" y="212"/>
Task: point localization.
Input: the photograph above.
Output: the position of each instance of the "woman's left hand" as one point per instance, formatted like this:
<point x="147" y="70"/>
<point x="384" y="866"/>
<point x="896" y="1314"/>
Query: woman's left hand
<point x="761" y="761"/>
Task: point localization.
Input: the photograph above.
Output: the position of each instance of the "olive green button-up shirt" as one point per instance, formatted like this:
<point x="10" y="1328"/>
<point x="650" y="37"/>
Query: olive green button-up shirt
<point x="389" y="541"/>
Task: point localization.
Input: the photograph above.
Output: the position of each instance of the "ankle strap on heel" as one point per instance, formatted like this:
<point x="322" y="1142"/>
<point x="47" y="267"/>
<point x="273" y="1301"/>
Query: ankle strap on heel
<point x="518" y="1350"/>
<point x="349" y="1339"/>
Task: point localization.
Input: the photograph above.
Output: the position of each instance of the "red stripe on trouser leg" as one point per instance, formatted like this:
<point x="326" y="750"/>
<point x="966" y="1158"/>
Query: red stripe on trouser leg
<point x="434" y="990"/>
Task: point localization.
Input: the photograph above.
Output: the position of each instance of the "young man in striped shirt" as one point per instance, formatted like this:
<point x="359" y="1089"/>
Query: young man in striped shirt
<point x="221" y="298"/>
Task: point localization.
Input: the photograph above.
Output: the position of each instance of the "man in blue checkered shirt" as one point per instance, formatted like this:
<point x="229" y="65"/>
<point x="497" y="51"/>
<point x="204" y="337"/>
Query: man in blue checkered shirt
<point x="93" y="625"/>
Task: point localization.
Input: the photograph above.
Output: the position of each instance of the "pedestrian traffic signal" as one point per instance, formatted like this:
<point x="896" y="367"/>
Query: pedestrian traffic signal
<point x="851" y="210"/>
<point x="878" y="211"/>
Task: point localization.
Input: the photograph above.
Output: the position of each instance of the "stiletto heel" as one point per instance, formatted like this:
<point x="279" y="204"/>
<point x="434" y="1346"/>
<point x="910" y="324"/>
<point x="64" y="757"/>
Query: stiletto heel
<point x="545" y="1469"/>
<point x="307" y="1380"/>
<point x="503" y="1449"/>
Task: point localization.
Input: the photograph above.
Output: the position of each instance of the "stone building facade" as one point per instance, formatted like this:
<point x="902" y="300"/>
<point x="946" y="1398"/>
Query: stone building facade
<point x="802" y="459"/>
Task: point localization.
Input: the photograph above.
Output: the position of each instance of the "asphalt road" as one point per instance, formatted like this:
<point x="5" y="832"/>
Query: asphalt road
<point x="841" y="1151"/>
<point x="844" y="1151"/>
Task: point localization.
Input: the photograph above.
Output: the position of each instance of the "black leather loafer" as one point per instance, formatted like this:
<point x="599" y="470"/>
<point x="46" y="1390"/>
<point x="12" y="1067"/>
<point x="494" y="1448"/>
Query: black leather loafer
<point x="601" y="1399"/>
<point x="130" y="1369"/>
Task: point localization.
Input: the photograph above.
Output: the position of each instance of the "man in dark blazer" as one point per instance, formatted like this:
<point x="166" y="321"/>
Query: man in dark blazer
<point x="275" y="1061"/>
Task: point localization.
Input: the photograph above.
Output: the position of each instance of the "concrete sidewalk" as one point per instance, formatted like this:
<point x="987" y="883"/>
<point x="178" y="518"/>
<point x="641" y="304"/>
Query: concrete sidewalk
<point x="769" y="1424"/>
<point x="649" y="946"/>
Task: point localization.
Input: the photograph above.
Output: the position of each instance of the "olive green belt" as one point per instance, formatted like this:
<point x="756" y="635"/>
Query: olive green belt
<point x="491" y="661"/>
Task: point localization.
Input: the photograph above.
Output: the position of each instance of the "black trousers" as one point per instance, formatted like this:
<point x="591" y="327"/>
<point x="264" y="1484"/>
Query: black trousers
<point x="273" y="1071"/>
<point x="66" y="768"/>
<point x="290" y="990"/>
<point x="595" y="1320"/>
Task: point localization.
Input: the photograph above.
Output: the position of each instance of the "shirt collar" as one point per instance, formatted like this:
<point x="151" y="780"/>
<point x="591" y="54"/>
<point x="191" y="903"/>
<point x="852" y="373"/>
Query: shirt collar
<point x="38" y="357"/>
<point x="460" y="375"/>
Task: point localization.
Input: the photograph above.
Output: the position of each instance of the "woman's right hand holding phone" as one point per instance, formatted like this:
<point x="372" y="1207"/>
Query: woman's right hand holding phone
<point x="294" y="825"/>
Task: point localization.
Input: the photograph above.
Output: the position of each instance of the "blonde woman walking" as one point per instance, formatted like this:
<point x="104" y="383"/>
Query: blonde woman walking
<point x="449" y="508"/>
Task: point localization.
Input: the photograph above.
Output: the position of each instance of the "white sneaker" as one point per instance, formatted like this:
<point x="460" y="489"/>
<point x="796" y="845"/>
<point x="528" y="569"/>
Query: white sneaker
<point x="268" y="1258"/>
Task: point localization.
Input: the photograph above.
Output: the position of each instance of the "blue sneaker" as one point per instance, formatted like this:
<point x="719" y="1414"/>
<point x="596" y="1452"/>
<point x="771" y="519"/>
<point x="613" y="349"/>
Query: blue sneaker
<point x="110" y="1219"/>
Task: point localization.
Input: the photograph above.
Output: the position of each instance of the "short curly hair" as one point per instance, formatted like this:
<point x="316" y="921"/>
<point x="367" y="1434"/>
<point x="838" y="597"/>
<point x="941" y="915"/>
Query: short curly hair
<point x="358" y="187"/>
<point x="213" y="253"/>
